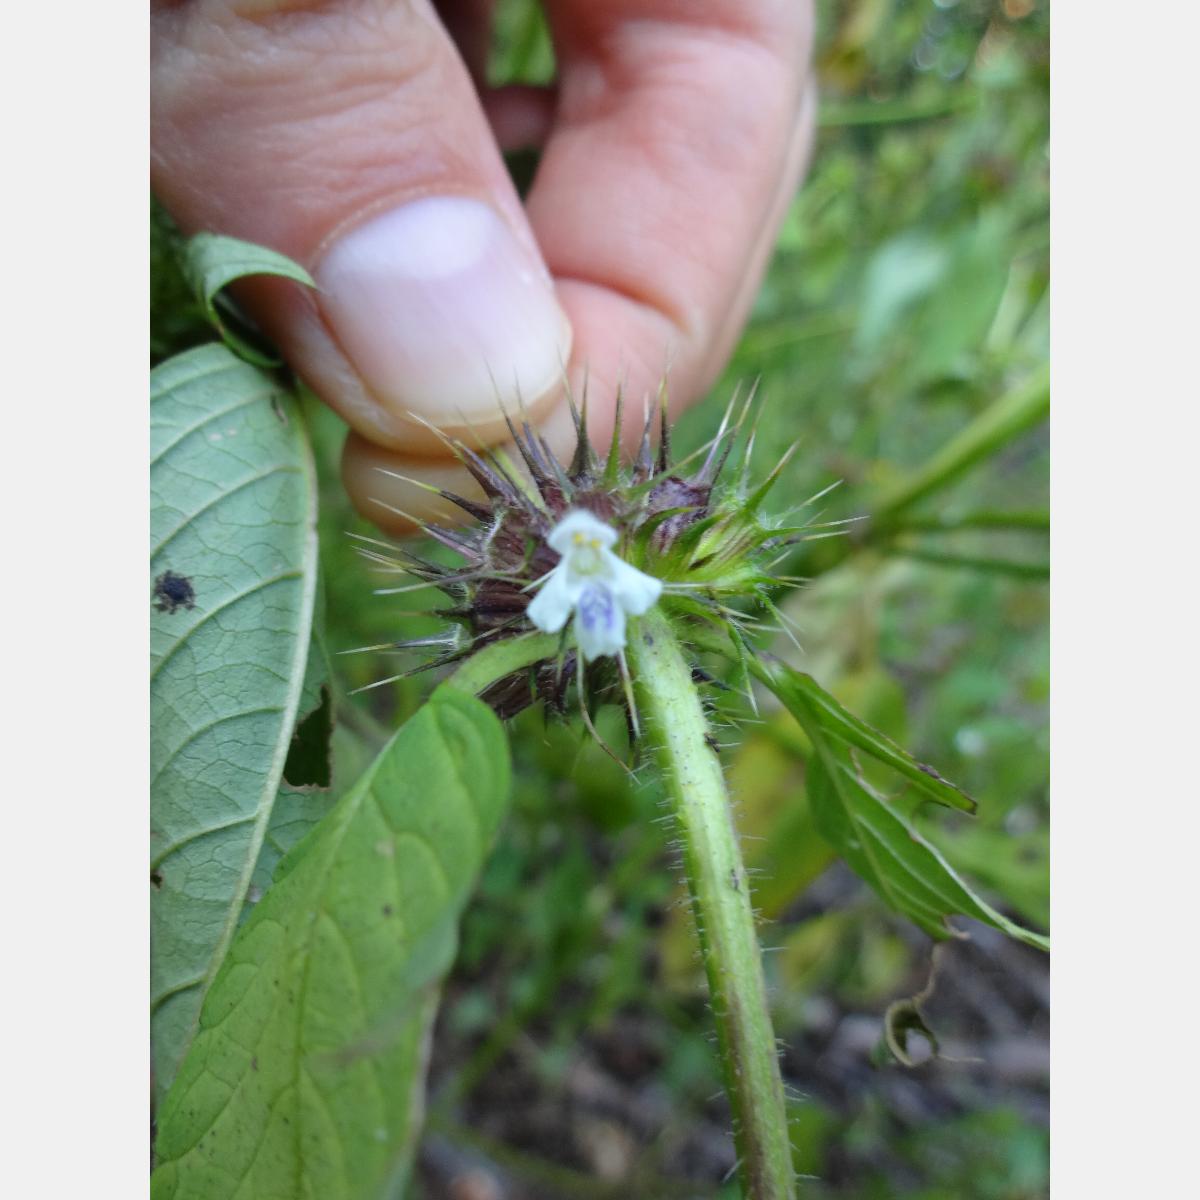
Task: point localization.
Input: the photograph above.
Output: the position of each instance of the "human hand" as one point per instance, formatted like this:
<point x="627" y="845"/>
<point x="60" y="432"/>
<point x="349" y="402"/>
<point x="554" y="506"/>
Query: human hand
<point x="358" y="137"/>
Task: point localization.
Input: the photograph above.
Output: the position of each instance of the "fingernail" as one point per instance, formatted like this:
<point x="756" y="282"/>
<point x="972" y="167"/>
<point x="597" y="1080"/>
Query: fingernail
<point x="443" y="312"/>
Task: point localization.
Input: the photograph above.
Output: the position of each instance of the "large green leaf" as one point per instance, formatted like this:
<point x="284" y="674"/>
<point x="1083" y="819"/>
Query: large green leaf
<point x="234" y="570"/>
<point x="880" y="844"/>
<point x="298" y="809"/>
<point x="305" y="1078"/>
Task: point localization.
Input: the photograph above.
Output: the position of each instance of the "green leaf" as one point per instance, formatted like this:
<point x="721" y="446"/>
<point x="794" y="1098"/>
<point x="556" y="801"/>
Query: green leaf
<point x="212" y="262"/>
<point x="882" y="847"/>
<point x="886" y="850"/>
<point x="234" y="570"/>
<point x="308" y="789"/>
<point x="902" y="1019"/>
<point x="298" y="809"/>
<point x="802" y="692"/>
<point x="932" y="294"/>
<point x="902" y="273"/>
<point x="309" y="761"/>
<point x="305" y="1078"/>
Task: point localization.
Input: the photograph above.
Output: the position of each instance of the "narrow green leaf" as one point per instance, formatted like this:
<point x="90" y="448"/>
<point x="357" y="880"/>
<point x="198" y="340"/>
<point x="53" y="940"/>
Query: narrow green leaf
<point x="212" y="262"/>
<point x="234" y="571"/>
<point x="802" y="693"/>
<point x="886" y="851"/>
<point x="879" y="844"/>
<point x="305" y="1078"/>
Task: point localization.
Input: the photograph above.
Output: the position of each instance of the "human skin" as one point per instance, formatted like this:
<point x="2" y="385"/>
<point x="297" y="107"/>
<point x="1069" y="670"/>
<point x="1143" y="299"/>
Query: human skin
<point x="359" y="138"/>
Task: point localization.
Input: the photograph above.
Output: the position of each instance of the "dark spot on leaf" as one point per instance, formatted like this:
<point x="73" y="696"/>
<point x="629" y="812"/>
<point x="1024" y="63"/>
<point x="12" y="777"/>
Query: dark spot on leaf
<point x="254" y="1063"/>
<point x="156" y="878"/>
<point x="648" y="639"/>
<point x="387" y="910"/>
<point x="277" y="408"/>
<point x="926" y="769"/>
<point x="173" y="592"/>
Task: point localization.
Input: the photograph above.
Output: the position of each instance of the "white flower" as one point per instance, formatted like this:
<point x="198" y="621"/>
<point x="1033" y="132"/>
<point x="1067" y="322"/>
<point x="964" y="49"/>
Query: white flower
<point x="591" y="581"/>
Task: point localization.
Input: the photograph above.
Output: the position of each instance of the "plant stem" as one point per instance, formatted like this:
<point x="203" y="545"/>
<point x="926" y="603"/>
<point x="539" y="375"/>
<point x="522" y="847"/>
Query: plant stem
<point x="1012" y="414"/>
<point x="876" y="112"/>
<point x="502" y="658"/>
<point x="676" y="726"/>
<point x="970" y="562"/>
<point x="1036" y="520"/>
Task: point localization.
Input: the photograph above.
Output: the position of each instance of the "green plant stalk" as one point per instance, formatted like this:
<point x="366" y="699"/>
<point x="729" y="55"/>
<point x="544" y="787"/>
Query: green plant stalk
<point x="970" y="562"/>
<point x="874" y="112"/>
<point x="677" y="730"/>
<point x="502" y="658"/>
<point x="1012" y="414"/>
<point x="1036" y="520"/>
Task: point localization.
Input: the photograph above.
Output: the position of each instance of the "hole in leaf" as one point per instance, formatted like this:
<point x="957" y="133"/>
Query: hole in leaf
<point x="309" y="762"/>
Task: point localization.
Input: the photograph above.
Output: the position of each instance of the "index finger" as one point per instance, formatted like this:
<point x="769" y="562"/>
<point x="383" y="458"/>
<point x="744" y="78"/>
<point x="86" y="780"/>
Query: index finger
<point x="680" y="134"/>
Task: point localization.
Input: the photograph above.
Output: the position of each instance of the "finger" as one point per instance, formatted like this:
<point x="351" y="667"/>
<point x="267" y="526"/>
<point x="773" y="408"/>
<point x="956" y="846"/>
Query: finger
<point x="348" y="135"/>
<point x="679" y="136"/>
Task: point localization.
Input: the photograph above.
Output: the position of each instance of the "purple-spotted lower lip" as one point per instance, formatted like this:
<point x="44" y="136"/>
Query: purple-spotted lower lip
<point x="596" y="608"/>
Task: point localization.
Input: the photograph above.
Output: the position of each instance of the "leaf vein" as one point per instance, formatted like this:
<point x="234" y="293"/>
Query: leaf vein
<point x="195" y="734"/>
<point x="245" y="402"/>
<point x="259" y="586"/>
<point x="220" y="498"/>
<point x="197" y="834"/>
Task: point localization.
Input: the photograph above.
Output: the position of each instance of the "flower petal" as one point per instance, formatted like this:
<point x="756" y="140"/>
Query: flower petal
<point x="551" y="607"/>
<point x="562" y="536"/>
<point x="634" y="590"/>
<point x="599" y="623"/>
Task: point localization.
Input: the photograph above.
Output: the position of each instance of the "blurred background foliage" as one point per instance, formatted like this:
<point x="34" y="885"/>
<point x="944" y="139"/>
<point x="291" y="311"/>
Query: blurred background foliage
<point x="909" y="291"/>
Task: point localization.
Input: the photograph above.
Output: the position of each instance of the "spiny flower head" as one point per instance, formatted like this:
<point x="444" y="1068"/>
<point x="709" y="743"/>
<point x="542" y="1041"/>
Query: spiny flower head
<point x="594" y="541"/>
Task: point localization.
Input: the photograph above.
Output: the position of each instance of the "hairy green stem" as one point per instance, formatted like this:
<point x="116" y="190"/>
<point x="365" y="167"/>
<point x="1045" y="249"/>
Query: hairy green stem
<point x="720" y="892"/>
<point x="695" y="784"/>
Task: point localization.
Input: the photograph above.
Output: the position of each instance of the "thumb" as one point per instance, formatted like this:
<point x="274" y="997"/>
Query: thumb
<point x="348" y="136"/>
